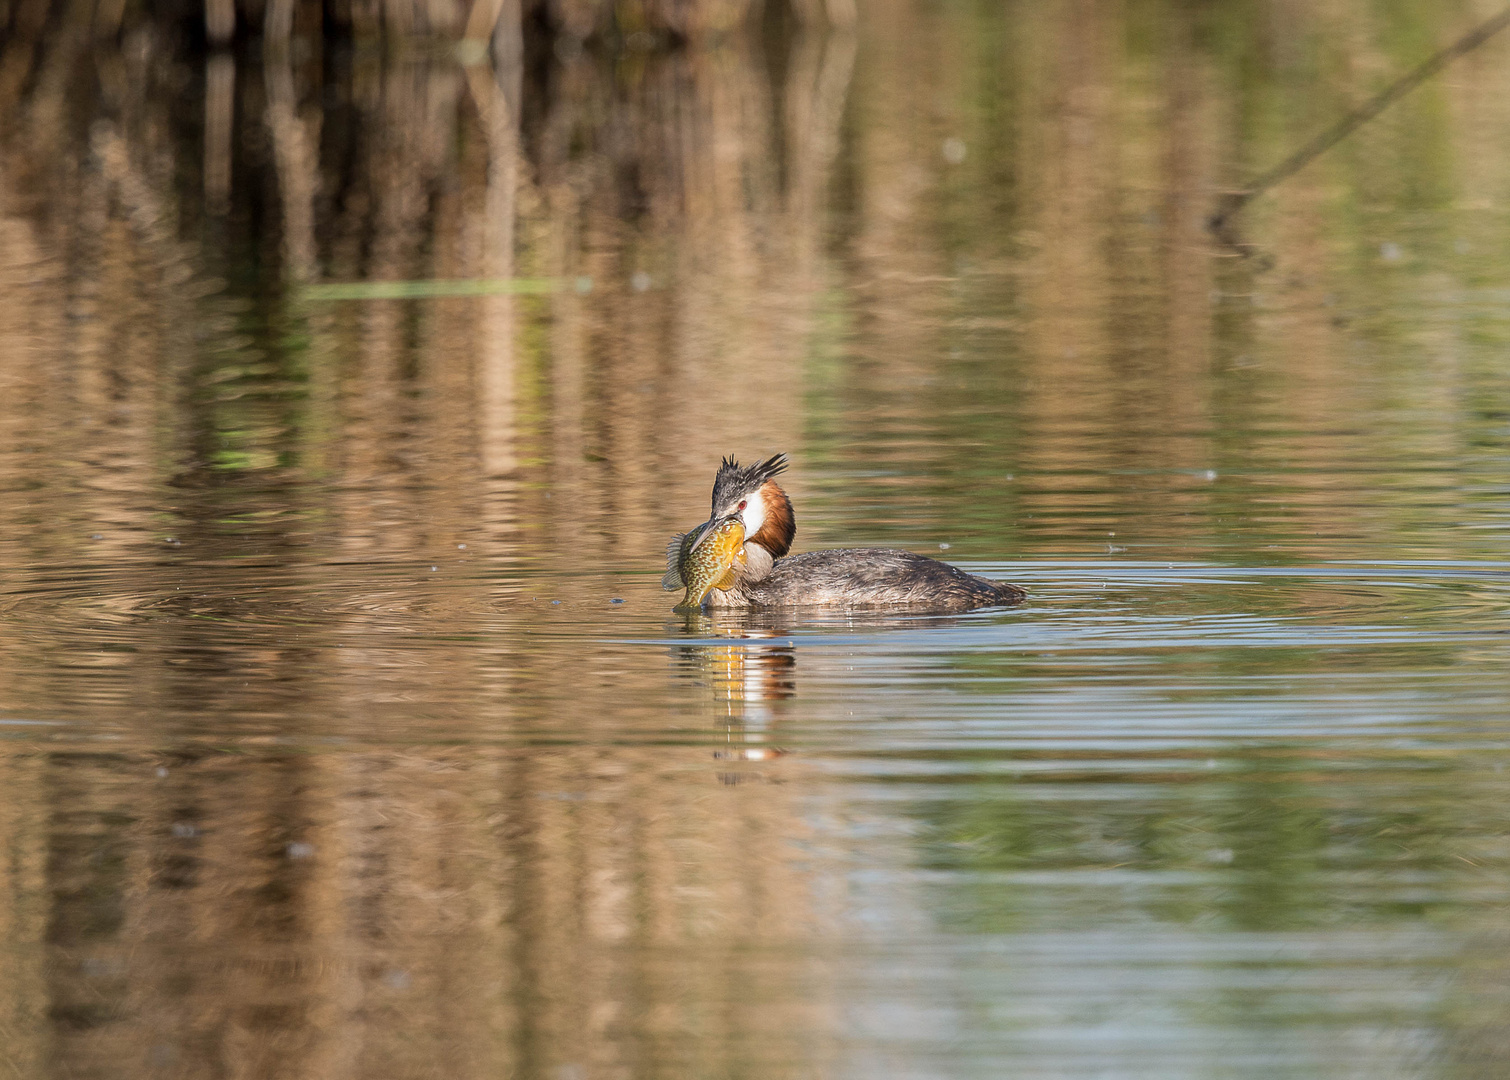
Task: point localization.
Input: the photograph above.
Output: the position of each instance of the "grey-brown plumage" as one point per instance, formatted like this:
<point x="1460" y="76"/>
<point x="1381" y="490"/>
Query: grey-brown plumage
<point x="866" y="577"/>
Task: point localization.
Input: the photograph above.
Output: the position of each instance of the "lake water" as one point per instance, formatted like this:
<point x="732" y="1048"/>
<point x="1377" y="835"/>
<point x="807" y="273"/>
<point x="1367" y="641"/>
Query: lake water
<point x="345" y="730"/>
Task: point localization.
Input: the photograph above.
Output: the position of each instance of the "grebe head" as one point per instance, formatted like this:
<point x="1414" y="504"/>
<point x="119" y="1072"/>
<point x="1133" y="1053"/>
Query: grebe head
<point x="752" y="494"/>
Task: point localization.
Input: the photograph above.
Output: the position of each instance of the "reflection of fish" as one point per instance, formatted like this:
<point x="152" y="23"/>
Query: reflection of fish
<point x="703" y="560"/>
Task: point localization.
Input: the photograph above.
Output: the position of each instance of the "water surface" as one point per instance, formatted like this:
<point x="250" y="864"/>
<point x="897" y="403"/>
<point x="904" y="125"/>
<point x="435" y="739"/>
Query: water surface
<point x="345" y="730"/>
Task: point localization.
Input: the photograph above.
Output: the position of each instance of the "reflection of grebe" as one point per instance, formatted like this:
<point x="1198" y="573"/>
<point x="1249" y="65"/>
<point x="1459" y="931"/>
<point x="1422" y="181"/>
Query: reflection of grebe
<point x="842" y="577"/>
<point x="748" y="676"/>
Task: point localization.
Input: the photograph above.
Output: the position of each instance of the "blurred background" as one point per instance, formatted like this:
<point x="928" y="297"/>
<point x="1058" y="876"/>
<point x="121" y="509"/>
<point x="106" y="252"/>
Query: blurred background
<point x="358" y="357"/>
<point x="967" y="243"/>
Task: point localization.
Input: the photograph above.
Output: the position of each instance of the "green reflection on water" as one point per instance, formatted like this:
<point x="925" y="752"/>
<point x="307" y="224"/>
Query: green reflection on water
<point x="375" y="803"/>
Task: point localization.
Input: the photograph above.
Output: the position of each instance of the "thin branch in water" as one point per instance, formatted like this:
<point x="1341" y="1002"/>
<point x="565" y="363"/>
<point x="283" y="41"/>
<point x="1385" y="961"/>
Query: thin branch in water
<point x="1220" y="222"/>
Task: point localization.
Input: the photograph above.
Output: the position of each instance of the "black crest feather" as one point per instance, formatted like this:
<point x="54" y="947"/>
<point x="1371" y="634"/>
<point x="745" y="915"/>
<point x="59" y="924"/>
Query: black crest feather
<point x="735" y="482"/>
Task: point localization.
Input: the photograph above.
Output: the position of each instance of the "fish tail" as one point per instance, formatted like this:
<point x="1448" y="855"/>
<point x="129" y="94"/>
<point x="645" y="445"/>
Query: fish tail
<point x="672" y="579"/>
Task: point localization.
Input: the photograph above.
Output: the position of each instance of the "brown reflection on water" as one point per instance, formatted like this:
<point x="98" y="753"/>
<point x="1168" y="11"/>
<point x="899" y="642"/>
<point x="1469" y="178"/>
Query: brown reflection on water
<point x="993" y="266"/>
<point x="318" y="809"/>
<point x="399" y="912"/>
<point x="666" y="181"/>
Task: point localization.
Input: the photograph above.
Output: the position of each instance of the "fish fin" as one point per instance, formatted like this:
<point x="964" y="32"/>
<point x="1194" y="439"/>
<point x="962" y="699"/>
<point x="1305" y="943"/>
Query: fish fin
<point x="727" y="581"/>
<point x="672" y="580"/>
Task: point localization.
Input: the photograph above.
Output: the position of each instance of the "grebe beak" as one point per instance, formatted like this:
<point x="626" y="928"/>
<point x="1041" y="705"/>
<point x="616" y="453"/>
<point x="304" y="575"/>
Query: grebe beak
<point x="700" y="531"/>
<point x="712" y="525"/>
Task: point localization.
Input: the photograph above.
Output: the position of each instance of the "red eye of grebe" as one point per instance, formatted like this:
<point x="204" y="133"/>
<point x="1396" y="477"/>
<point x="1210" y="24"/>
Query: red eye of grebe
<point x="743" y="503"/>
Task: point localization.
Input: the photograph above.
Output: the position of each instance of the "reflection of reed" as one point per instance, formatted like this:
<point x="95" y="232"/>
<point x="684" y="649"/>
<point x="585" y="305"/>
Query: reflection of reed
<point x="1050" y="301"/>
<point x="386" y="185"/>
<point x="219" y="113"/>
<point x="380" y="911"/>
<point x="393" y="912"/>
<point x="497" y="100"/>
<point x="294" y="141"/>
<point x="572" y="905"/>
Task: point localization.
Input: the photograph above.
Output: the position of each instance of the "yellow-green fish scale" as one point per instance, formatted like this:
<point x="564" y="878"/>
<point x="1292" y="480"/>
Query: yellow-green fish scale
<point x="709" y="560"/>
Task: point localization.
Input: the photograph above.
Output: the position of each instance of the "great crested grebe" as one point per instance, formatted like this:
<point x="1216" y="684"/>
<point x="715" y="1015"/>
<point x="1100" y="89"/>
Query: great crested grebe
<point x="764" y="575"/>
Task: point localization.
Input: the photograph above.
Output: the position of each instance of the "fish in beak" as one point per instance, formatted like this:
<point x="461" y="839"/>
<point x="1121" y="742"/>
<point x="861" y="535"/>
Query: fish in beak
<point x="703" y="560"/>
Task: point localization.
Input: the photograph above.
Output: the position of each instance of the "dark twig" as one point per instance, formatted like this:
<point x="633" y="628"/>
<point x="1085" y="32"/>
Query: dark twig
<point x="1233" y="201"/>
